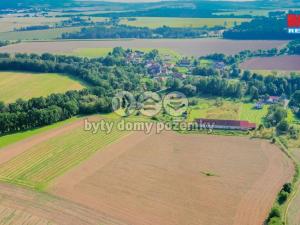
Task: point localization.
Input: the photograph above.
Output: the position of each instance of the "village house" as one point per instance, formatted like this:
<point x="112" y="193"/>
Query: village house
<point x="185" y="62"/>
<point x="134" y="57"/>
<point x="227" y="124"/>
<point x="271" y="100"/>
<point x="179" y="75"/>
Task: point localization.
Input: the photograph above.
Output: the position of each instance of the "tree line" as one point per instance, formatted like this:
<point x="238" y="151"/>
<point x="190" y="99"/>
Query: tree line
<point x="124" y="31"/>
<point x="262" y="28"/>
<point x="36" y="112"/>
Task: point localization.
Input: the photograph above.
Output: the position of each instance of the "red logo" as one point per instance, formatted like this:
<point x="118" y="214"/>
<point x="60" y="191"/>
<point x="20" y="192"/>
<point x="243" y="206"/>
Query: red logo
<point x="293" y="20"/>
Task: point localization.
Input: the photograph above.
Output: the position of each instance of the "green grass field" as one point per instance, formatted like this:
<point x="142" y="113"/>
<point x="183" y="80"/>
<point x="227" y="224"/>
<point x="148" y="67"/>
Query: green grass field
<point x="14" y="85"/>
<point x="37" y="34"/>
<point x="38" y="166"/>
<point x="154" y="22"/>
<point x="226" y="110"/>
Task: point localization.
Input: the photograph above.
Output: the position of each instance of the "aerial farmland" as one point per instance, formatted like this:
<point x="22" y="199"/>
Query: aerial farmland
<point x="149" y="113"/>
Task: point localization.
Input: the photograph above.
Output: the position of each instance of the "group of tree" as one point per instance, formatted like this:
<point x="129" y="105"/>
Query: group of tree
<point x="277" y="117"/>
<point x="275" y="215"/>
<point x="124" y="31"/>
<point x="36" y="27"/>
<point x="293" y="48"/>
<point x="103" y="77"/>
<point x="101" y="72"/>
<point x="214" y="86"/>
<point x="37" y="112"/>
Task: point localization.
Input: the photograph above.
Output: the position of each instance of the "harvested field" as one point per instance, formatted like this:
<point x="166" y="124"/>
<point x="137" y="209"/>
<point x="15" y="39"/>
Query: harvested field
<point x="174" y="179"/>
<point x="189" y="47"/>
<point x="38" y="160"/>
<point x="281" y="63"/>
<point x="19" y="206"/>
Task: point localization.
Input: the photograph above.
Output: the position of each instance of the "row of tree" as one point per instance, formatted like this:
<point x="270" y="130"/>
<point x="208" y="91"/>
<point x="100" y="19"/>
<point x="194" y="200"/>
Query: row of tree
<point x="124" y="31"/>
<point x="37" y="112"/>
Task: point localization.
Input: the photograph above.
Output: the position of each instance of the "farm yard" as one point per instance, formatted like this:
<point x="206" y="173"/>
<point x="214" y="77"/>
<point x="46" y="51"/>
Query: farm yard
<point x="145" y="188"/>
<point x="187" y="47"/>
<point x="14" y="85"/>
<point x="154" y="22"/>
<point x="279" y="63"/>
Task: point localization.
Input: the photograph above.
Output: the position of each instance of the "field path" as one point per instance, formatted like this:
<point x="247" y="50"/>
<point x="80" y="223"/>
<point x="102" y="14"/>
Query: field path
<point x="248" y="213"/>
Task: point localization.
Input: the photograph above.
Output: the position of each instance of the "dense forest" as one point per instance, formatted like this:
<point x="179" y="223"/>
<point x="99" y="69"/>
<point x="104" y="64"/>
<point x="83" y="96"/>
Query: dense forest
<point x="123" y="31"/>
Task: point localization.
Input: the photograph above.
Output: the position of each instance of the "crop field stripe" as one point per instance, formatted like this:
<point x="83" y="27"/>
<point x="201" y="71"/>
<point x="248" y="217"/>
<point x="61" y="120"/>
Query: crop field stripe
<point x="46" y="161"/>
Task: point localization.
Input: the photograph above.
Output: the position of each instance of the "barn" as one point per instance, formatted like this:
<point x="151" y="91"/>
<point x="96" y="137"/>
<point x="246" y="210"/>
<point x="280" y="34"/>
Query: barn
<point x="227" y="124"/>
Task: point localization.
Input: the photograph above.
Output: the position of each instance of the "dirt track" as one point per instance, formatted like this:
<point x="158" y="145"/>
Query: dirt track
<point x="160" y="179"/>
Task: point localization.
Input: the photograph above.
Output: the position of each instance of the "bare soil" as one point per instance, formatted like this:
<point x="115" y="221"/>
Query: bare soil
<point x="20" y="206"/>
<point x="281" y="63"/>
<point x="174" y="179"/>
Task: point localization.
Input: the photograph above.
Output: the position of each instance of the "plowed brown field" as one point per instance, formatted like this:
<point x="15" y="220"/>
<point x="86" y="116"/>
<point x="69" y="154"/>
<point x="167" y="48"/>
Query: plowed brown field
<point x="188" y="47"/>
<point x="281" y="63"/>
<point x="172" y="179"/>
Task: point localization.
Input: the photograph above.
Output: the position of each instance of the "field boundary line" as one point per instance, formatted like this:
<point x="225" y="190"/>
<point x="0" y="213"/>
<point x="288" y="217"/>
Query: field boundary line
<point x="296" y="180"/>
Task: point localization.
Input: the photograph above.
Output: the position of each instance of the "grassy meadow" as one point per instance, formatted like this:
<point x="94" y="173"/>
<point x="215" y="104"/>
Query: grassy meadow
<point x="154" y="22"/>
<point x="14" y="85"/>
<point x="226" y="110"/>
